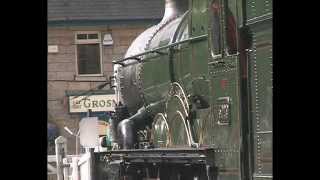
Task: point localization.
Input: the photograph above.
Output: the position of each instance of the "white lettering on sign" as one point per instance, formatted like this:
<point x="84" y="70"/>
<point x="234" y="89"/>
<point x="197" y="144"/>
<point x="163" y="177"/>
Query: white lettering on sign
<point x="94" y="102"/>
<point x="53" y="49"/>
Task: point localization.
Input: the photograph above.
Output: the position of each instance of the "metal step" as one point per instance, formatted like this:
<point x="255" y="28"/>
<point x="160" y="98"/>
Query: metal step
<point x="263" y="176"/>
<point x="264" y="132"/>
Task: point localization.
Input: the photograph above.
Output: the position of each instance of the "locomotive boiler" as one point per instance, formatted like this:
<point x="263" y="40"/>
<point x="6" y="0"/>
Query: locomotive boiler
<point x="194" y="92"/>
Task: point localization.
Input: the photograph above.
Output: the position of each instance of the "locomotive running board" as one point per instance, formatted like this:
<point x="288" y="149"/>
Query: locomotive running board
<point x="188" y="162"/>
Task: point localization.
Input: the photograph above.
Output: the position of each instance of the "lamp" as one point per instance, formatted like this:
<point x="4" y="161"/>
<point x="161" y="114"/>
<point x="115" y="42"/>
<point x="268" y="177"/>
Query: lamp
<point x="107" y="40"/>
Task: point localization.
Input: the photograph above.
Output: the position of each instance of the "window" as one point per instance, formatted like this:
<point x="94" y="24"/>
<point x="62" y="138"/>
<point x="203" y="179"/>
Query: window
<point x="88" y="53"/>
<point x="231" y="32"/>
<point x="215" y="27"/>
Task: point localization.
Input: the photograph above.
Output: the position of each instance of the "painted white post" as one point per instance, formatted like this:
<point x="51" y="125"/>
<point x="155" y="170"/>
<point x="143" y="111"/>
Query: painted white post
<point x="65" y="168"/>
<point x="61" y="152"/>
<point x="75" y="170"/>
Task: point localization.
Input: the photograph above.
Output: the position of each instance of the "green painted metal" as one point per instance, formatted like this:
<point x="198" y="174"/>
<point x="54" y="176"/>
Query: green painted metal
<point x="229" y="95"/>
<point x="259" y="19"/>
<point x="261" y="97"/>
<point x="258" y="8"/>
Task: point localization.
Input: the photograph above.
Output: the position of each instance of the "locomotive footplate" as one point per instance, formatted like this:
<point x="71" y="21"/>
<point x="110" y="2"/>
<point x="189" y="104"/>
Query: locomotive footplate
<point x="171" y="164"/>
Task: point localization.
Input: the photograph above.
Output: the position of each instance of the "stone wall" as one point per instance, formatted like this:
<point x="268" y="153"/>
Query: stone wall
<point x="62" y="70"/>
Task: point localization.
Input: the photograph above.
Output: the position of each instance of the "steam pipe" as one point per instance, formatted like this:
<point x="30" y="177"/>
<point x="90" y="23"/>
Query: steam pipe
<point x="127" y="127"/>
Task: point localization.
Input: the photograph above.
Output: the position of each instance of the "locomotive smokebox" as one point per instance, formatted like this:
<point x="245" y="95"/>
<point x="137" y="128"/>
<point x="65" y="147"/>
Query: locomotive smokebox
<point x="128" y="81"/>
<point x="129" y="76"/>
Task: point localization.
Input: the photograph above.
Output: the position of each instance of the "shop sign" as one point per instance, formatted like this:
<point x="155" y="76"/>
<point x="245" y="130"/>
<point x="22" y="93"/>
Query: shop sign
<point x="96" y="103"/>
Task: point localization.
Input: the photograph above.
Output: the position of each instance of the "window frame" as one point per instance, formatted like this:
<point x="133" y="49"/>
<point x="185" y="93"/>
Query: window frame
<point x="88" y="41"/>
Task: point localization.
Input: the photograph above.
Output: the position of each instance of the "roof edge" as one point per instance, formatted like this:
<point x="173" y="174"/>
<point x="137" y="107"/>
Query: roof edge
<point x="59" y="23"/>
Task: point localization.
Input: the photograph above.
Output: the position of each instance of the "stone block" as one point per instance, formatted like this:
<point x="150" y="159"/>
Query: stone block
<point x="107" y="67"/>
<point x="124" y="32"/>
<point x="61" y="32"/>
<point x="78" y="86"/>
<point x="127" y="41"/>
<point x="56" y="89"/>
<point x="52" y="75"/>
<point x="61" y="67"/>
<point x="65" y="75"/>
<point x="55" y="105"/>
<point x="120" y="49"/>
<point x="58" y="57"/>
<point x="108" y="73"/>
<point x="108" y="50"/>
<point x="67" y="49"/>
<point x="67" y="40"/>
<point x="95" y="84"/>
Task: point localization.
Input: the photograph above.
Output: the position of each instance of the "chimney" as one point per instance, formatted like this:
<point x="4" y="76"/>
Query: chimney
<point x="174" y="8"/>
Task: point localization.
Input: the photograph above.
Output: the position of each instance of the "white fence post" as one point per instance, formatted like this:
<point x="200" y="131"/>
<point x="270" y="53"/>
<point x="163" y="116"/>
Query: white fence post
<point x="61" y="152"/>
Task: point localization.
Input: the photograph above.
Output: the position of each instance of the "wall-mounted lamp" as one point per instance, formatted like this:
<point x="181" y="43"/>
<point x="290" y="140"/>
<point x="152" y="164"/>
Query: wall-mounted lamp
<point x="107" y="40"/>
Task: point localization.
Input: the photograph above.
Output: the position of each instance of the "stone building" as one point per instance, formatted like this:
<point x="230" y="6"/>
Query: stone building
<point x="84" y="37"/>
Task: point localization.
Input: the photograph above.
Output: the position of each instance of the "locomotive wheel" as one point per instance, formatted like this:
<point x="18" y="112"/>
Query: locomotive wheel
<point x="160" y="131"/>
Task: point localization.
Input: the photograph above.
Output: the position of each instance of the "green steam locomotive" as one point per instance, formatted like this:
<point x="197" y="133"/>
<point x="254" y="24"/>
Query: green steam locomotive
<point x="194" y="95"/>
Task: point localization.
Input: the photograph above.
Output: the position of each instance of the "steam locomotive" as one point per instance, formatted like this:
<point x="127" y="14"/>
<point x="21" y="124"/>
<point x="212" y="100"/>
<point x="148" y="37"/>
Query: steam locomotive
<point x="194" y="95"/>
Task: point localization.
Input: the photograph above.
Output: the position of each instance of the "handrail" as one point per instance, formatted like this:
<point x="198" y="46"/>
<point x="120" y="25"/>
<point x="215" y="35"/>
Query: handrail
<point x="158" y="50"/>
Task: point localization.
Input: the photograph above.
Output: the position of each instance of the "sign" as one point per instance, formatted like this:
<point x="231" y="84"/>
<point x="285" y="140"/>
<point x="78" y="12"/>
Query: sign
<point x="96" y="103"/>
<point x="53" y="49"/>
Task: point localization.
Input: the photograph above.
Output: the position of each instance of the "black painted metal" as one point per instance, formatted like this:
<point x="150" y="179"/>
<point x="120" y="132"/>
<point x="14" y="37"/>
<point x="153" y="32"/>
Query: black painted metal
<point x="165" y="164"/>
